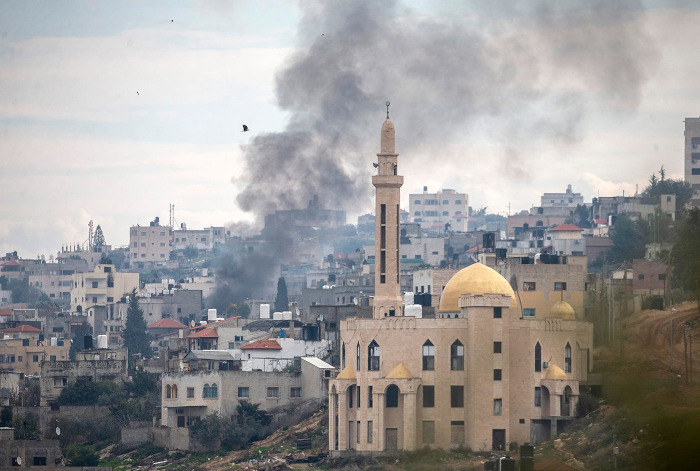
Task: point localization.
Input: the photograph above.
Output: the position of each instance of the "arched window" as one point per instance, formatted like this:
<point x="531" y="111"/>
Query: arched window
<point x="205" y="392"/>
<point x="168" y="392"/>
<point x="358" y="357"/>
<point x="567" y="358"/>
<point x="428" y="356"/>
<point x="457" y="356"/>
<point x="174" y="391"/>
<point x="392" y="396"/>
<point x="373" y="354"/>
<point x="214" y="390"/>
<point x="343" y="356"/>
<point x="538" y="357"/>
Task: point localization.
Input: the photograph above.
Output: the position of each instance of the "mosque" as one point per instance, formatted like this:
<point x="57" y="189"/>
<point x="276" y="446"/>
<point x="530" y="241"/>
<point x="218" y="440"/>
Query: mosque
<point x="479" y="375"/>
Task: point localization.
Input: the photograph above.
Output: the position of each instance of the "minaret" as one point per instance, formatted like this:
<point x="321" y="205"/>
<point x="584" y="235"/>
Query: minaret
<point x="387" y="285"/>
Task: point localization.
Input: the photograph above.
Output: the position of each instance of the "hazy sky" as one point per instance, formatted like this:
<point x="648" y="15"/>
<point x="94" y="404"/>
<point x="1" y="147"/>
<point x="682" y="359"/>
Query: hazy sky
<point x="112" y="110"/>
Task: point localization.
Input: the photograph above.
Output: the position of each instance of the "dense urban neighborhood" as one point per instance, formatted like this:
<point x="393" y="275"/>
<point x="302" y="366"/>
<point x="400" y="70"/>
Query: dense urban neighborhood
<point x="332" y="291"/>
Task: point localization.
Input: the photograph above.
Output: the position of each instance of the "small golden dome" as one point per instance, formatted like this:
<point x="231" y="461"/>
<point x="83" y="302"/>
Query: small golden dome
<point x="399" y="372"/>
<point x="474" y="279"/>
<point x="554" y="372"/>
<point x="562" y="310"/>
<point x="347" y="373"/>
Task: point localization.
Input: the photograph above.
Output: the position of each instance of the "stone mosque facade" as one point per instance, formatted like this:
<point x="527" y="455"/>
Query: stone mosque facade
<point x="476" y="376"/>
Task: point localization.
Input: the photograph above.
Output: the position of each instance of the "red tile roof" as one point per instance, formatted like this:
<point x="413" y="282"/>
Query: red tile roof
<point x="23" y="328"/>
<point x="166" y="323"/>
<point x="566" y="227"/>
<point x="6" y="312"/>
<point x="206" y="333"/>
<point x="266" y="344"/>
<point x="476" y="248"/>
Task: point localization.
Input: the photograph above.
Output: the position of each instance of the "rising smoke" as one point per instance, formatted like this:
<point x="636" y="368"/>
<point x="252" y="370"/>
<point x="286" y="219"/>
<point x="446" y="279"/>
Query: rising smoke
<point x="530" y="76"/>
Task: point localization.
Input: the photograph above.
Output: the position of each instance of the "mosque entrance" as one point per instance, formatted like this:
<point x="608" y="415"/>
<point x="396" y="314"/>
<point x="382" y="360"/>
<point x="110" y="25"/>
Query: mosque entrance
<point x="392" y="439"/>
<point x="498" y="439"/>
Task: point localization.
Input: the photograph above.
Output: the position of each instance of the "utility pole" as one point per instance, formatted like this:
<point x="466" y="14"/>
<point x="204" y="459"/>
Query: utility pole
<point x="671" y="329"/>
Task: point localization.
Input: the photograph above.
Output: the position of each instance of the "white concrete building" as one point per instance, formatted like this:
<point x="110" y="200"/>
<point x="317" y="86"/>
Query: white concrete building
<point x="434" y="210"/>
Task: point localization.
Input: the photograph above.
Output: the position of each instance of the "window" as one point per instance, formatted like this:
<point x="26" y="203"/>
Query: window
<point x="59" y="382"/>
<point x="497" y="374"/>
<point x="35" y="358"/>
<point x="357" y="368"/>
<point x="416" y="202"/>
<point x="358" y="431"/>
<point x="295" y="392"/>
<point x="445" y="202"/>
<point x="369" y="431"/>
<point x="94" y="284"/>
<point x="273" y="392"/>
<point x="695" y="171"/>
<point x="567" y="358"/>
<point x="373" y="354"/>
<point x="529" y="286"/>
<point x="497" y="348"/>
<point x="640" y="276"/>
<point x="19" y="358"/>
<point x="243" y="392"/>
<point x="168" y="392"/>
<point x="370" y="399"/>
<point x="538" y="357"/>
<point x="39" y="461"/>
<point x="458" y="201"/>
<point x="457" y="432"/>
<point x="560" y="286"/>
<point x="497" y="312"/>
<point x="529" y="312"/>
<point x="428" y="356"/>
<point x="457" y="396"/>
<point x="497" y="406"/>
<point x="392" y="396"/>
<point x="445" y="213"/>
<point x="428" y="396"/>
<point x="358" y="397"/>
<point x="428" y="432"/>
<point x="190" y="393"/>
<point x="457" y="356"/>
<point x="662" y="276"/>
<point x="538" y="397"/>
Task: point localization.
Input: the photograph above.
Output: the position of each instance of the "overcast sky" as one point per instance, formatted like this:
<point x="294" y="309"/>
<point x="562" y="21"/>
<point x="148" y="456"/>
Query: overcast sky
<point x="110" y="111"/>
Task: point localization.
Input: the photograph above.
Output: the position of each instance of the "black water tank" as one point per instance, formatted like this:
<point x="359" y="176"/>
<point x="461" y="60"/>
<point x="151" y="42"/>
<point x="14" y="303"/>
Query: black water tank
<point x="87" y="342"/>
<point x="527" y="457"/>
<point x="506" y="464"/>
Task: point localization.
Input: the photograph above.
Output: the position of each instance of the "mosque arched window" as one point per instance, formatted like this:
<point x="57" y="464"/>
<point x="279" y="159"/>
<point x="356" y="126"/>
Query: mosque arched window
<point x="567" y="358"/>
<point x="357" y="363"/>
<point x="373" y="355"/>
<point x="174" y="391"/>
<point x="428" y="356"/>
<point x="457" y="356"/>
<point x="538" y="357"/>
<point x="392" y="396"/>
<point x="342" y="356"/>
<point x="168" y="392"/>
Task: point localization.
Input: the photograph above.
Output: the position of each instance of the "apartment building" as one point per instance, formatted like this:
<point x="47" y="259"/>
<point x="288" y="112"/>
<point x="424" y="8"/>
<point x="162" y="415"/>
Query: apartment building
<point x="434" y="210"/>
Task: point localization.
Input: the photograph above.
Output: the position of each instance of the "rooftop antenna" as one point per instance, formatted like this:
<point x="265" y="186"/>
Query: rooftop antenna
<point x="90" y="235"/>
<point x="387" y="108"/>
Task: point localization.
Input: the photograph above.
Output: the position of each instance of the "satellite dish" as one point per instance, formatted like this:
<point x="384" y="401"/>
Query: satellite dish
<point x="58" y="431"/>
<point x="19" y="461"/>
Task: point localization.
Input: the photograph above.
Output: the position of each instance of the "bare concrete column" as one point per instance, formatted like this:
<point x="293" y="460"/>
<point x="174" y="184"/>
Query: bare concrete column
<point x="409" y="421"/>
<point x="332" y="411"/>
<point x="342" y="420"/>
<point x="381" y="433"/>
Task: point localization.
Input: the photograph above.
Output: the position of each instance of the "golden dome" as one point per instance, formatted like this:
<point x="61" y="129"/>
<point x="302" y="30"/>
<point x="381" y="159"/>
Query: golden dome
<point x="554" y="372"/>
<point x="347" y="373"/>
<point x="399" y="372"/>
<point x="562" y="310"/>
<point x="475" y="279"/>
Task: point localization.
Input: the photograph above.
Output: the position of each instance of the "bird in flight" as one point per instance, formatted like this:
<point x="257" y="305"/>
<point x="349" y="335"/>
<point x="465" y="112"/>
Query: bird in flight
<point x="137" y="92"/>
<point x="245" y="128"/>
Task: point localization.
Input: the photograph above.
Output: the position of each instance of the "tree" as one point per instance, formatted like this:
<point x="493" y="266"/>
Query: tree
<point x="136" y="339"/>
<point x="670" y="186"/>
<point x="98" y="240"/>
<point x="240" y="309"/>
<point x="580" y="216"/>
<point x="685" y="255"/>
<point x="629" y="239"/>
<point x="281" y="301"/>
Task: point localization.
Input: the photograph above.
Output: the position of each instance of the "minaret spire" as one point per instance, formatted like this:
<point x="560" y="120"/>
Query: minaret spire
<point x="387" y="183"/>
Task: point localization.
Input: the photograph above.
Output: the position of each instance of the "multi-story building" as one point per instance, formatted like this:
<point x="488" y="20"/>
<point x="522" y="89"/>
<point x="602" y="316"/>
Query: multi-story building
<point x="55" y="279"/>
<point x="26" y="355"/>
<point x="100" y="290"/>
<point x="435" y="210"/>
<point x="569" y="199"/>
<point x="479" y="375"/>
<point x="151" y="243"/>
<point x="93" y="365"/>
<point x="201" y="239"/>
<point x="692" y="157"/>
